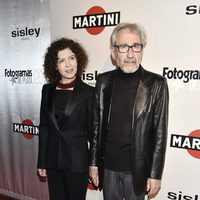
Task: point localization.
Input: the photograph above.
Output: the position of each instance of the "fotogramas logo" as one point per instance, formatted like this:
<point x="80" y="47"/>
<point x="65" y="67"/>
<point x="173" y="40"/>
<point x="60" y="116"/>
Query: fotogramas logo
<point x="191" y="143"/>
<point x="25" y="33"/>
<point x="95" y="20"/>
<point x="184" y="75"/>
<point x="26" y="128"/>
<point x="19" y="76"/>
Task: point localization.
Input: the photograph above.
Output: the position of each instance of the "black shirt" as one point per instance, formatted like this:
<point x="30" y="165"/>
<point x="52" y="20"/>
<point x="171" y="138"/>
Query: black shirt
<point x="60" y="101"/>
<point x="117" y="156"/>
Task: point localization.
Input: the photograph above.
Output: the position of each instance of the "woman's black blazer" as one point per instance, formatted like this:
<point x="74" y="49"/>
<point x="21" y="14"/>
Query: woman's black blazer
<point x="66" y="147"/>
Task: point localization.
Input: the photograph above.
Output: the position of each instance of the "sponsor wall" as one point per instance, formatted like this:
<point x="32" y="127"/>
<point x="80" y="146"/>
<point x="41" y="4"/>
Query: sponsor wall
<point x="172" y="50"/>
<point x="24" y="36"/>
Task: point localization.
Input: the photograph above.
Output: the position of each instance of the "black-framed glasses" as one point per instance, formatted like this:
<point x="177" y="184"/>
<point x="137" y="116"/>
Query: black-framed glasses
<point x="124" y="48"/>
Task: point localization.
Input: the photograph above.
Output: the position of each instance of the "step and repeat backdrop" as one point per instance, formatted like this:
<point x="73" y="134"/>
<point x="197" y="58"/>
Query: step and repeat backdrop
<point x="24" y="36"/>
<point x="172" y="50"/>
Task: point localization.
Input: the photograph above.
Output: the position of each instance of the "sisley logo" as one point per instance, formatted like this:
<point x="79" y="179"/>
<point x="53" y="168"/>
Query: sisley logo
<point x="192" y="10"/>
<point x="90" y="76"/>
<point x="181" y="196"/>
<point x="26" y="32"/>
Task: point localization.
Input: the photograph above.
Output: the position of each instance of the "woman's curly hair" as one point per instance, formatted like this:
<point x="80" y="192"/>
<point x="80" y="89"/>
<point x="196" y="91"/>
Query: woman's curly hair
<point x="51" y="58"/>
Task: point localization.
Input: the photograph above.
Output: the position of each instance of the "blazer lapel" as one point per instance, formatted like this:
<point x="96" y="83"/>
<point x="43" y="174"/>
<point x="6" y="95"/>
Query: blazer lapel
<point x="143" y="96"/>
<point x="50" y="105"/>
<point x="109" y="93"/>
<point x="74" y="98"/>
<point x="141" y="100"/>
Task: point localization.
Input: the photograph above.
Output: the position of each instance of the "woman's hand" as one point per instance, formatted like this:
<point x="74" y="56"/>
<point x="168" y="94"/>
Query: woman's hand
<point x="93" y="173"/>
<point x="42" y="173"/>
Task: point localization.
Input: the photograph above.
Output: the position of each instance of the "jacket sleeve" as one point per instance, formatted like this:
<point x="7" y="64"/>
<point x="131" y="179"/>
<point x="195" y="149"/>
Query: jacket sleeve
<point x="96" y="117"/>
<point x="43" y="130"/>
<point x="90" y="101"/>
<point x="160" y="130"/>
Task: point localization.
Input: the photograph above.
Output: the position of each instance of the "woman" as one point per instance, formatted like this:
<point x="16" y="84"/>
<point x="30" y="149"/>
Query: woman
<point x="65" y="121"/>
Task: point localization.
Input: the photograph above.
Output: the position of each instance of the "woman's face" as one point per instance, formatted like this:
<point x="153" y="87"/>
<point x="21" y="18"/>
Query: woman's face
<point x="67" y="65"/>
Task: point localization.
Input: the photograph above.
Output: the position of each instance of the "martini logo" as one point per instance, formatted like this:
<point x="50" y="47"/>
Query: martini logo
<point x="95" y="20"/>
<point x="191" y="143"/>
<point x="27" y="129"/>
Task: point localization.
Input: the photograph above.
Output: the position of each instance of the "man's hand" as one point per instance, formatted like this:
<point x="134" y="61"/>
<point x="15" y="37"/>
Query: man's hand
<point x="93" y="173"/>
<point x="153" y="187"/>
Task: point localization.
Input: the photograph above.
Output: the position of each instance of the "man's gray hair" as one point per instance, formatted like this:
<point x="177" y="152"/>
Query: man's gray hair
<point x="132" y="27"/>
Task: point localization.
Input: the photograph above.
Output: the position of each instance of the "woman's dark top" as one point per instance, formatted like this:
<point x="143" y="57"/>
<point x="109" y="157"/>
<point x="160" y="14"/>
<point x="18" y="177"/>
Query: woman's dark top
<point x="60" y="101"/>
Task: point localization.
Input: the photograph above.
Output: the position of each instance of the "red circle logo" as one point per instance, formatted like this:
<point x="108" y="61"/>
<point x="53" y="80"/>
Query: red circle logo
<point x="92" y="11"/>
<point x="195" y="153"/>
<point x="27" y="122"/>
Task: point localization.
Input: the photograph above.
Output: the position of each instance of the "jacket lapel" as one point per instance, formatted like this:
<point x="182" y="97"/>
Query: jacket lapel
<point x="109" y="93"/>
<point x="74" y="98"/>
<point x="50" y="105"/>
<point x="141" y="100"/>
<point x="142" y="97"/>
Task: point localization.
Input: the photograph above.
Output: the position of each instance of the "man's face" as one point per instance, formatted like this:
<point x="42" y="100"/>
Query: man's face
<point x="129" y="62"/>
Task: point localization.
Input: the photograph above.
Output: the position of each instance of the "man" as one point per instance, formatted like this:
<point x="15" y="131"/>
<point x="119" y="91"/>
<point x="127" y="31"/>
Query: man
<point x="130" y="122"/>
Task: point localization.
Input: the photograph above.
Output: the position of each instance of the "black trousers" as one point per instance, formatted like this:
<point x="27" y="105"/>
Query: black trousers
<point x="119" y="186"/>
<point x="64" y="185"/>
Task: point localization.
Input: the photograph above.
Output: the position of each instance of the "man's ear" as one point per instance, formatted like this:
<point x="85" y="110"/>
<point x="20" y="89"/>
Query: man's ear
<point x="112" y="52"/>
<point x="113" y="55"/>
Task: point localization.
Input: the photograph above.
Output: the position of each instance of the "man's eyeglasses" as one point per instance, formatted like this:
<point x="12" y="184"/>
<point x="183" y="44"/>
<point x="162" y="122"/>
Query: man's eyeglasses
<point x="124" y="48"/>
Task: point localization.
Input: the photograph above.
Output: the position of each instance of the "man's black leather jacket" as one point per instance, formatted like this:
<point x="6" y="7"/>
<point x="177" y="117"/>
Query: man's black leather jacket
<point x="149" y="126"/>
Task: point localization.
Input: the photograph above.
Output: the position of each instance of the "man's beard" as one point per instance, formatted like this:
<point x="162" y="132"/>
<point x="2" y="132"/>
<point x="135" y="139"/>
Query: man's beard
<point x="129" y="70"/>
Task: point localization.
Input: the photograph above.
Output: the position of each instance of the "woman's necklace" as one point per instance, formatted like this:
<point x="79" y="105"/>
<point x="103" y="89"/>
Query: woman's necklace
<point x="66" y="85"/>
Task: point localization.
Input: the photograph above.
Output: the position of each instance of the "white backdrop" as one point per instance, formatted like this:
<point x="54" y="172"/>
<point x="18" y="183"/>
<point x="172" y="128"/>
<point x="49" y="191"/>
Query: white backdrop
<point x="173" y="43"/>
<point x="172" y="50"/>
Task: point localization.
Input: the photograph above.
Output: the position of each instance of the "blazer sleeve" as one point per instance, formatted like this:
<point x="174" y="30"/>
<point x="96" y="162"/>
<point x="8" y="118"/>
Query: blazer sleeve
<point x="160" y="130"/>
<point x="90" y="113"/>
<point x="96" y="120"/>
<point x="43" y="130"/>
